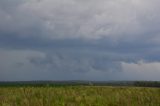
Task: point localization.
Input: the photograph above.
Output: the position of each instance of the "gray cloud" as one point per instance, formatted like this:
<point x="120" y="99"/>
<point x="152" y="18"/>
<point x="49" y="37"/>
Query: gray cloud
<point x="65" y="62"/>
<point x="69" y="65"/>
<point x="83" y="39"/>
<point x="33" y="65"/>
<point x="78" y="19"/>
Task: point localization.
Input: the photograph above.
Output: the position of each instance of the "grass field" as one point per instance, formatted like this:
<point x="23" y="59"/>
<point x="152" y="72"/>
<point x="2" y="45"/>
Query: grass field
<point x="79" y="96"/>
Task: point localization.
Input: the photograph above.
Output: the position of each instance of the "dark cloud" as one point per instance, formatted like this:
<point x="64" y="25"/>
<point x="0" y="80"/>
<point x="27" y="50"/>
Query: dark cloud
<point x="119" y="51"/>
<point x="65" y="62"/>
<point x="83" y="39"/>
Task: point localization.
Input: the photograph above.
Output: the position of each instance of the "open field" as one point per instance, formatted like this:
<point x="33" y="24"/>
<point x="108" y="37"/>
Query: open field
<point x="79" y="96"/>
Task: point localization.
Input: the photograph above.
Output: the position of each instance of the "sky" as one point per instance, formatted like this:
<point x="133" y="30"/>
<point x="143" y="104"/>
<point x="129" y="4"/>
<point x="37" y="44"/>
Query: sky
<point x="96" y="40"/>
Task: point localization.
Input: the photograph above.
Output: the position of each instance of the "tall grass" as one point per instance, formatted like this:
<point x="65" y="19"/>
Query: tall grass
<point x="79" y="96"/>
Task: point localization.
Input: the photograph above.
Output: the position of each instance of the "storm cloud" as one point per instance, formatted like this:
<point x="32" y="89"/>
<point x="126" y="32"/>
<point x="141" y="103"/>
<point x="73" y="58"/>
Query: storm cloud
<point x="79" y="39"/>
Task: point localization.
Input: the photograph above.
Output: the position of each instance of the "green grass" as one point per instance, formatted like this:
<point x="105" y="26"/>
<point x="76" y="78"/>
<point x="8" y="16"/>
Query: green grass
<point x="79" y="96"/>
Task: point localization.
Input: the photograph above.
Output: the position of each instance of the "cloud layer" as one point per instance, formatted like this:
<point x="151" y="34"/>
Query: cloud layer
<point x="81" y="19"/>
<point x="79" y="39"/>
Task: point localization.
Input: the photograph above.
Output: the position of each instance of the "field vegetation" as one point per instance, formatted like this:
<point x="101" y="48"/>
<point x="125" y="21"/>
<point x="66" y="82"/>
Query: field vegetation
<point x="79" y="96"/>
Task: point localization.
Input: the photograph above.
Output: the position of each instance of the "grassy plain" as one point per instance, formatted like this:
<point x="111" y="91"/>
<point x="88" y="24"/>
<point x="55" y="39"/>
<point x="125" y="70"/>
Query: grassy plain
<point x="79" y="96"/>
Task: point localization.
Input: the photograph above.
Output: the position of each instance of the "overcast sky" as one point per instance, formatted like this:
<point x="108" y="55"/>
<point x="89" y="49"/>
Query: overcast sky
<point x="79" y="40"/>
